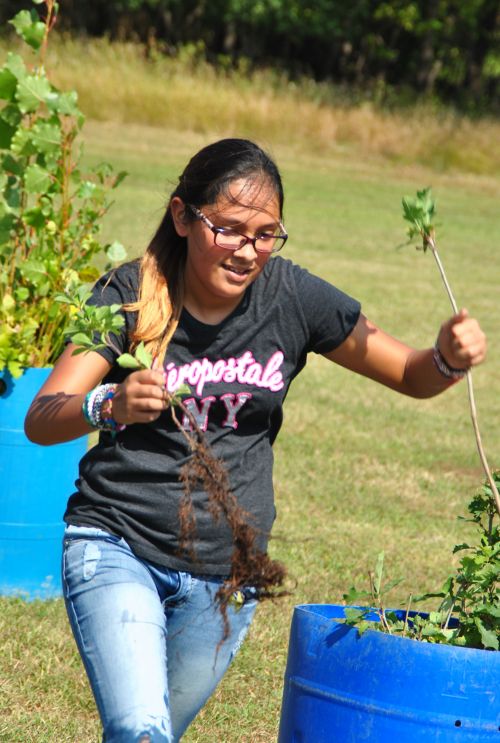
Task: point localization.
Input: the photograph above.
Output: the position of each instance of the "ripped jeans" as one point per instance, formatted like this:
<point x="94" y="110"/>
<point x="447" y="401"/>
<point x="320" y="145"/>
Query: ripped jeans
<point x="150" y="637"/>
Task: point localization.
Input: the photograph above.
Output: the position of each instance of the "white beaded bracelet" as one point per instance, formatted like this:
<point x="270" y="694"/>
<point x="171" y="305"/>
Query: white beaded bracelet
<point x="92" y="408"/>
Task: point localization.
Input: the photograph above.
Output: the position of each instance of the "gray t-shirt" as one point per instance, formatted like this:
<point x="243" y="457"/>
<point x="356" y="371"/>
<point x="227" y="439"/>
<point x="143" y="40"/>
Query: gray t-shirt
<point x="239" y="372"/>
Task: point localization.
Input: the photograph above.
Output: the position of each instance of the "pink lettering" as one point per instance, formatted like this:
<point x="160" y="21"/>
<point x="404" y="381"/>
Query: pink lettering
<point x="233" y="407"/>
<point x="272" y="378"/>
<point x="244" y="370"/>
<point x="230" y="371"/>
<point x="172" y="377"/>
<point x="253" y="375"/>
<point x="218" y="371"/>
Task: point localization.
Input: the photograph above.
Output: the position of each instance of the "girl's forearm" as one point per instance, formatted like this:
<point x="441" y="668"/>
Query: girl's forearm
<point x="56" y="417"/>
<point x="422" y="377"/>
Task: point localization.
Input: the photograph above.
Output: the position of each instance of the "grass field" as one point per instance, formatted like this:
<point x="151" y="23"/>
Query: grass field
<point x="358" y="469"/>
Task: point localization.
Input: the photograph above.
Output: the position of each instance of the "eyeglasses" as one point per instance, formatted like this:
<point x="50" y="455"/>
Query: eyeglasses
<point x="229" y="239"/>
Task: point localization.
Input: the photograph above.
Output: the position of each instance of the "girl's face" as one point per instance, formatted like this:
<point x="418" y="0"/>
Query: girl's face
<point x="216" y="278"/>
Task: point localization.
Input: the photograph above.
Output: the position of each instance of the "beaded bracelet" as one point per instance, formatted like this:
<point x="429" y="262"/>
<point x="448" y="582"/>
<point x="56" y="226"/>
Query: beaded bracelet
<point x="108" y="423"/>
<point x="97" y="408"/>
<point x="444" y="368"/>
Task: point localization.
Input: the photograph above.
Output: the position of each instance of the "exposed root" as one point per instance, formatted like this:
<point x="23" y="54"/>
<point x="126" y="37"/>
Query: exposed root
<point x="249" y="565"/>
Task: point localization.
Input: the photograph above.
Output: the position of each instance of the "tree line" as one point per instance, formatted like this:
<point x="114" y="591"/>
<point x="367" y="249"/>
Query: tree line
<point x="444" y="48"/>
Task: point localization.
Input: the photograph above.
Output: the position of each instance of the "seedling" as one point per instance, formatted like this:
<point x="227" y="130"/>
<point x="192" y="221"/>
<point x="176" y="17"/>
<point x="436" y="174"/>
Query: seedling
<point x="420" y="212"/>
<point x="469" y="611"/>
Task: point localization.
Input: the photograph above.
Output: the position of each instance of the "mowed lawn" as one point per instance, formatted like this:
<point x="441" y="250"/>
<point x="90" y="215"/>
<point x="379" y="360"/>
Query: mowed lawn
<point x="359" y="469"/>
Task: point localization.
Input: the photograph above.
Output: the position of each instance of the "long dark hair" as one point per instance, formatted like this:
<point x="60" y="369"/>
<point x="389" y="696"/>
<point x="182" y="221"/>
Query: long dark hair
<point x="207" y="177"/>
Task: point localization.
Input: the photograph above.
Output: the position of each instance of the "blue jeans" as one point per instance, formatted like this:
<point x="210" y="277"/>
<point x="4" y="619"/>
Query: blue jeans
<point x="150" y="637"/>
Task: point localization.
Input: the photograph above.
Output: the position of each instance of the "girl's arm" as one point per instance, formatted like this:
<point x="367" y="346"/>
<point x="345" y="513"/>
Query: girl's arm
<point x="370" y="351"/>
<point x="56" y="414"/>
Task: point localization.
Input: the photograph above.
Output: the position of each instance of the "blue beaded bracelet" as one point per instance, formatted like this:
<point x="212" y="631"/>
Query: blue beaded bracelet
<point x="97" y="411"/>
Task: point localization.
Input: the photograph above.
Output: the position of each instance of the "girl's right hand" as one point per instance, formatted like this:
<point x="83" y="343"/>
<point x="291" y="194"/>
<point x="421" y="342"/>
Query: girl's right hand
<point x="141" y="398"/>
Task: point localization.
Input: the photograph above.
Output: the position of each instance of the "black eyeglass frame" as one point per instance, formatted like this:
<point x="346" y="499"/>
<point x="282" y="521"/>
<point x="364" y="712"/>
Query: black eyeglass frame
<point x="253" y="240"/>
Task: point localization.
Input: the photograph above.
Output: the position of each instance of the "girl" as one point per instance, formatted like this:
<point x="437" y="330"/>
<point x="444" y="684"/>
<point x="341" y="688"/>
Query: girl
<point x="220" y="314"/>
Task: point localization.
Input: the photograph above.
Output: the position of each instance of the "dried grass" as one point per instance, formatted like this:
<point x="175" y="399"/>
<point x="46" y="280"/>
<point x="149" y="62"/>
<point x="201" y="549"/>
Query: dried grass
<point x="119" y="82"/>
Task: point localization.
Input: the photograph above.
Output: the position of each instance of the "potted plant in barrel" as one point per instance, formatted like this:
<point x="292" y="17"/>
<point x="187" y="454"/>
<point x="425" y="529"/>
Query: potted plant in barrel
<point x="422" y="676"/>
<point x="50" y="216"/>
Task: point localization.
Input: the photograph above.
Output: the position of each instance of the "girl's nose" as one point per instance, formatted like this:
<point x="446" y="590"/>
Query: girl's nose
<point x="247" y="250"/>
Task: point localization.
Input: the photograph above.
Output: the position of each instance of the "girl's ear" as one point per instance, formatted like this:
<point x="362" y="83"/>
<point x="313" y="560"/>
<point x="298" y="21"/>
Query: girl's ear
<point x="178" y="211"/>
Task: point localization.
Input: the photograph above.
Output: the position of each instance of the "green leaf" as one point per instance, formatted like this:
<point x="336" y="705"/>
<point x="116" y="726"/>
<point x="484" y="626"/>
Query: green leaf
<point x="493" y="611"/>
<point x="362" y="627"/>
<point x="82" y="349"/>
<point x="10" y="164"/>
<point x="37" y="180"/>
<point x="46" y="137"/>
<point x="87" y="190"/>
<point x="34" y="35"/>
<point x="8" y="84"/>
<point x="15" y="368"/>
<point x="143" y="356"/>
<point x="15" y="64"/>
<point x="183" y="390"/>
<point x="459" y="547"/>
<point x="127" y="361"/>
<point x="83" y="294"/>
<point x="8" y="302"/>
<point x="89" y="274"/>
<point x="65" y="104"/>
<point x="63" y="298"/>
<point x="353" y="616"/>
<point x="7" y="222"/>
<point x="353" y="596"/>
<point x="81" y="339"/>
<point x="21" y="294"/>
<point x="31" y="92"/>
<point x="436" y="617"/>
<point x="103" y="171"/>
<point x="6" y="134"/>
<point x="33" y="270"/>
<point x="429" y="630"/>
<point x="34" y="217"/>
<point x="22" y="142"/>
<point x="29" y="27"/>
<point x="426" y="596"/>
<point x="11" y="115"/>
<point x="119" y="178"/>
<point x="379" y="569"/>
<point x="116" y="252"/>
<point x="488" y="637"/>
<point x="393" y="620"/>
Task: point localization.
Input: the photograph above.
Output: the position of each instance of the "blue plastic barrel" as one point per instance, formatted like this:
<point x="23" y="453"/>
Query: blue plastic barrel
<point x="341" y="687"/>
<point x="35" y="483"/>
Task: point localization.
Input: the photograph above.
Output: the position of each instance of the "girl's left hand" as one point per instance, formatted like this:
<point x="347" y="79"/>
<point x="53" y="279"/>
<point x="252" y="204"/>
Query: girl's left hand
<point x="461" y="341"/>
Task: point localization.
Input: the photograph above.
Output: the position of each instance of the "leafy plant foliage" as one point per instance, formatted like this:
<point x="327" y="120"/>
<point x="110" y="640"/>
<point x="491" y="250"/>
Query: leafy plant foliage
<point x="420" y="212"/>
<point x="469" y="610"/>
<point x="50" y="211"/>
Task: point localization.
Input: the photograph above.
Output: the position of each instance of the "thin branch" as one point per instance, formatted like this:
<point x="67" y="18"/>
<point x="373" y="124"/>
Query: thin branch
<point x="429" y="240"/>
<point x="407" y="614"/>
